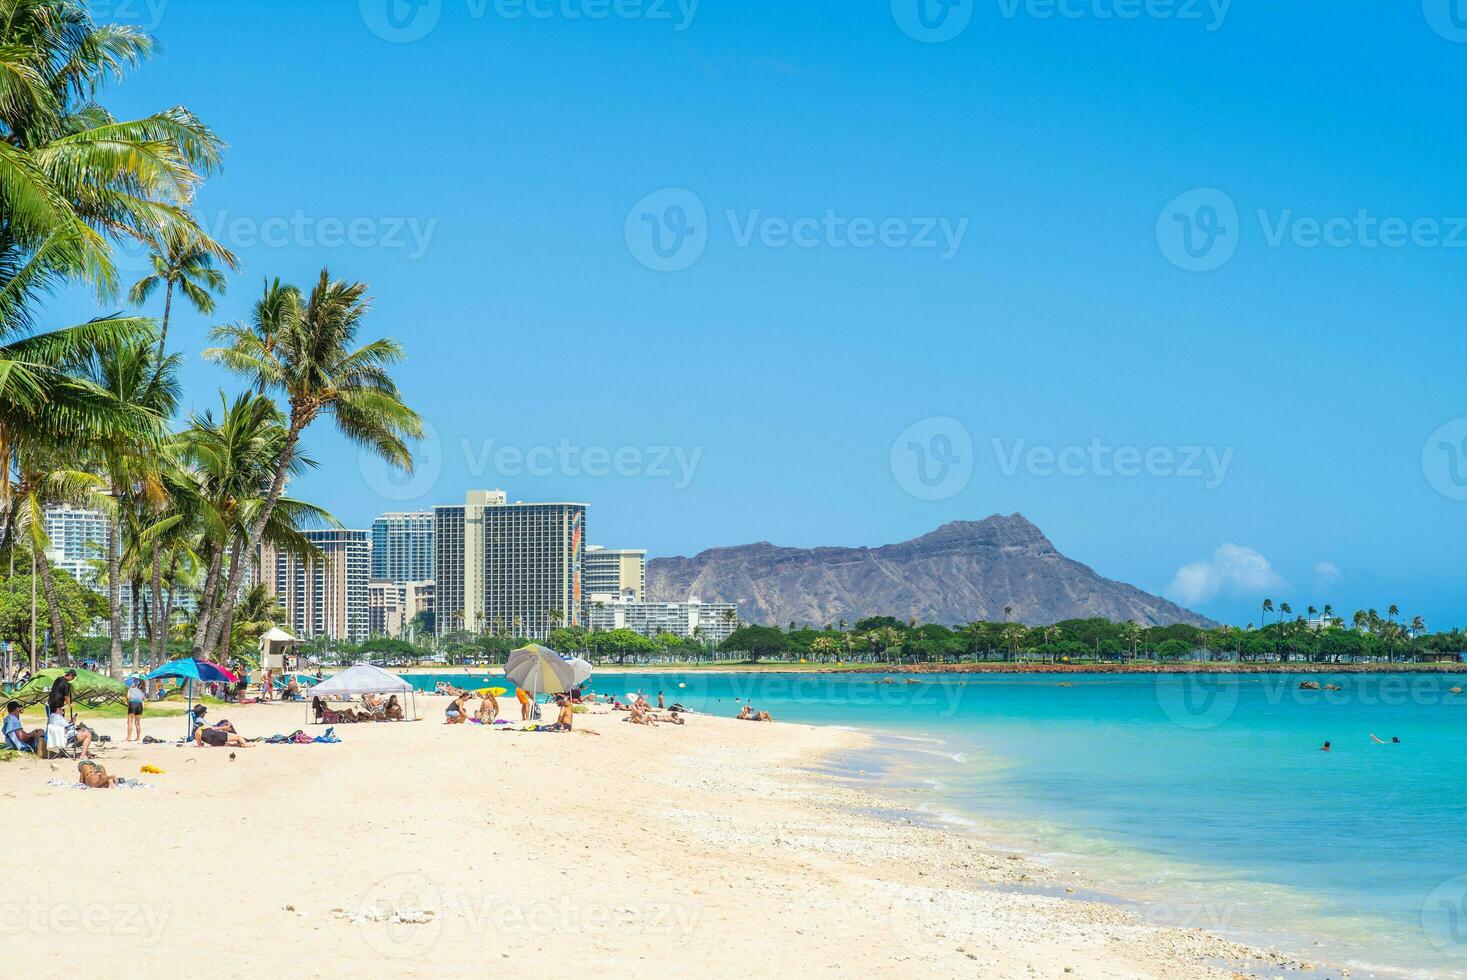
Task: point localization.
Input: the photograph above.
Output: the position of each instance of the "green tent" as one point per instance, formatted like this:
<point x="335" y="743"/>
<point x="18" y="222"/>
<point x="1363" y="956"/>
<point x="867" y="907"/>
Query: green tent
<point x="88" y="687"/>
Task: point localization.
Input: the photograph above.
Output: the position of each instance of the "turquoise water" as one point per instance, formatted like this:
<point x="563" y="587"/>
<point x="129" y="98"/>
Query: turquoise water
<point x="1206" y="795"/>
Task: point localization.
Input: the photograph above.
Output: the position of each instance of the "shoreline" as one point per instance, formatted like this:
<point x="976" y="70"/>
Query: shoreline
<point x="980" y="668"/>
<point x="724" y="844"/>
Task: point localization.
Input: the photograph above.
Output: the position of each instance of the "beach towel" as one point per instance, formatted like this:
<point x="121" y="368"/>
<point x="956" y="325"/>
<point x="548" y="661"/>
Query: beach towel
<point x="121" y="784"/>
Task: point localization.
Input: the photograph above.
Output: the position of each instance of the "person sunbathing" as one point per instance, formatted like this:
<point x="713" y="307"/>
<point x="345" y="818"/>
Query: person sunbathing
<point x="641" y="716"/>
<point x="219" y="738"/>
<point x="746" y="713"/>
<point x="394" y="709"/>
<point x="762" y="716"/>
<point x="94" y="776"/>
<point x="488" y="708"/>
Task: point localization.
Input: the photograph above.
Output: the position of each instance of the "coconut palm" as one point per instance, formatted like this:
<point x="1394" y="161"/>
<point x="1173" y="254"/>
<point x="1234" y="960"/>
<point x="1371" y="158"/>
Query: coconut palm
<point x="183" y="258"/>
<point x="72" y="176"/>
<point x="305" y="349"/>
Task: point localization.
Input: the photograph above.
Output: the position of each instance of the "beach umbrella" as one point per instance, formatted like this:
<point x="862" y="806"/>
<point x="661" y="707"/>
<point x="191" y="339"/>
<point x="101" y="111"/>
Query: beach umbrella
<point x="581" y="669"/>
<point x="189" y="670"/>
<point x="540" y="670"/>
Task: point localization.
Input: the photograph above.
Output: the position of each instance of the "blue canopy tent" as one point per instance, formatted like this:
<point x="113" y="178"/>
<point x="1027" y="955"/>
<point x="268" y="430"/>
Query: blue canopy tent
<point x="190" y="670"/>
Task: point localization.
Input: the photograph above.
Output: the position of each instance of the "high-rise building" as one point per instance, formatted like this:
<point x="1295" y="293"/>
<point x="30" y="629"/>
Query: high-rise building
<point x="417" y="598"/>
<point x="327" y="593"/>
<point x="78" y="542"/>
<point x="448" y="569"/>
<point x="385" y="603"/>
<point x="710" y="622"/>
<point x="521" y="567"/>
<point x="402" y="547"/>
<point x="616" y="571"/>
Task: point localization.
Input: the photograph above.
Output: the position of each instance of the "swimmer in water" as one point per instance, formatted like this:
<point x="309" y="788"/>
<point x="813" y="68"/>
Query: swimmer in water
<point x="1324" y="747"/>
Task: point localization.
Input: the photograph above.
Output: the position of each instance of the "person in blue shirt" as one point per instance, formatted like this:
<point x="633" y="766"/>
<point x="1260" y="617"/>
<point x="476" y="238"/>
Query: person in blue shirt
<point x="15" y="735"/>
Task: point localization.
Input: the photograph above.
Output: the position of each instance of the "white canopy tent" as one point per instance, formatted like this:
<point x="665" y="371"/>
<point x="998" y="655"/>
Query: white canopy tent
<point x="364" y="679"/>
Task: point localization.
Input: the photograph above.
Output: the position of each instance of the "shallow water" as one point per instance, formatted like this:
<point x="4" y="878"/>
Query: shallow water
<point x="1207" y="795"/>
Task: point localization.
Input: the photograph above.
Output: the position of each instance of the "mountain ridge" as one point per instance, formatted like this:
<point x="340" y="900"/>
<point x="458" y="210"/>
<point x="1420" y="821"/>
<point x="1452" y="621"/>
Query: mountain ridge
<point x="961" y="571"/>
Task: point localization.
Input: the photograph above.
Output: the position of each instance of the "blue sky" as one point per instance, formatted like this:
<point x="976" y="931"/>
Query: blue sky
<point x="978" y="238"/>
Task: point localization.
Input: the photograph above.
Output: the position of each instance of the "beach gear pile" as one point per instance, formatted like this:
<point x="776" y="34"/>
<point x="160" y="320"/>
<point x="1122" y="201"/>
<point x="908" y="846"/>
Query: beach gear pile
<point x="121" y="784"/>
<point x="301" y="738"/>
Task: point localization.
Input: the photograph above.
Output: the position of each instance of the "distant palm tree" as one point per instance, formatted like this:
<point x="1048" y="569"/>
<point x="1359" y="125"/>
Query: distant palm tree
<point x="183" y="258"/>
<point x="1007" y="612"/>
<point x="305" y="348"/>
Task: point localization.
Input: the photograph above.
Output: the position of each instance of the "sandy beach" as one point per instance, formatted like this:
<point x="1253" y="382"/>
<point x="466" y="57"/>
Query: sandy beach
<point x="713" y="849"/>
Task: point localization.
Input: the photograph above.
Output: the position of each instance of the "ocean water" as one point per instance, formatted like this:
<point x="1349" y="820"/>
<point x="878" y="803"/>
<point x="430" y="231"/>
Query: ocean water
<point x="1205" y="797"/>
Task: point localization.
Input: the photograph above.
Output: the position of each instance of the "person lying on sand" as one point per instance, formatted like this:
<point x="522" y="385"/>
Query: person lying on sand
<point x="219" y="738"/>
<point x="641" y="716"/>
<point x="746" y="713"/>
<point x="94" y="776"/>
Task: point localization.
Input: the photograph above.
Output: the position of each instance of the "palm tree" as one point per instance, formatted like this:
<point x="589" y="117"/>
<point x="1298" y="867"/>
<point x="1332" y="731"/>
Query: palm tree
<point x="823" y="646"/>
<point x="1131" y="634"/>
<point x="183" y="257"/>
<point x="306" y="350"/>
<point x="71" y="174"/>
<point x="1278" y="637"/>
<point x="127" y="373"/>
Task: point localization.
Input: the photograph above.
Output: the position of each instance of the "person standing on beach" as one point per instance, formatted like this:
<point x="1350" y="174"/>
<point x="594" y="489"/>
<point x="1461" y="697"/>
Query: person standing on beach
<point x="266" y="691"/>
<point x="58" y="702"/>
<point x="525" y="701"/>
<point x="135" y="697"/>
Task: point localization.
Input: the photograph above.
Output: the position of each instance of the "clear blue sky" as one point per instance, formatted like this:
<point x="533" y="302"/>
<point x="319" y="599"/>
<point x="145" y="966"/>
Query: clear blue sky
<point x="1054" y="143"/>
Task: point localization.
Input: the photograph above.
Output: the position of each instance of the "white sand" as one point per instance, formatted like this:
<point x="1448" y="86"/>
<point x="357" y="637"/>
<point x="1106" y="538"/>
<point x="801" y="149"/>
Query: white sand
<point x="705" y="850"/>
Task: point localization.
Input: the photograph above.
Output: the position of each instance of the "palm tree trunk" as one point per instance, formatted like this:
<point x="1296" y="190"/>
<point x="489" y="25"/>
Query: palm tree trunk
<point x="208" y="599"/>
<point x="163" y="331"/>
<point x="160" y="625"/>
<point x="168" y="611"/>
<point x="114" y="587"/>
<point x="257" y="529"/>
<point x="53" y="612"/>
<point x="137" y="649"/>
<point x="226" y="616"/>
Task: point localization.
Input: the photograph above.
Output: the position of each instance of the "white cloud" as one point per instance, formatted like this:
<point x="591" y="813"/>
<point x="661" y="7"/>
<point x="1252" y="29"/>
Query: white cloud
<point x="1232" y="569"/>
<point x="1326" y="573"/>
